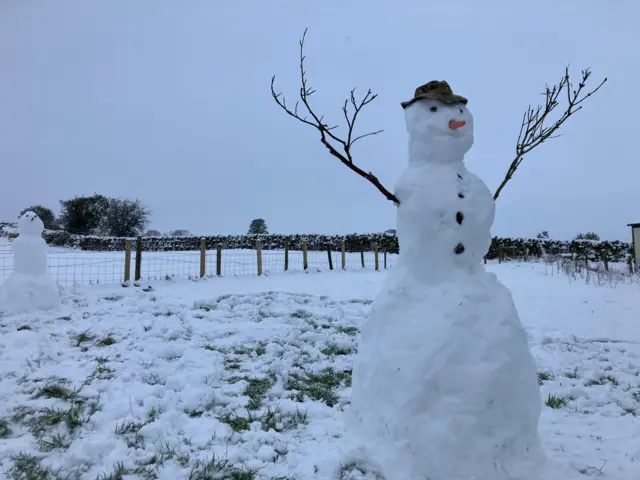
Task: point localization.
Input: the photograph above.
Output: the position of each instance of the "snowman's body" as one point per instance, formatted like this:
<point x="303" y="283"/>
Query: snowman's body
<point x="444" y="384"/>
<point x="29" y="287"/>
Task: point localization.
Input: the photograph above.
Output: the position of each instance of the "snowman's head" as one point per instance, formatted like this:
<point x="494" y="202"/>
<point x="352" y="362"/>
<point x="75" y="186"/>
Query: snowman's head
<point x="30" y="224"/>
<point x="444" y="130"/>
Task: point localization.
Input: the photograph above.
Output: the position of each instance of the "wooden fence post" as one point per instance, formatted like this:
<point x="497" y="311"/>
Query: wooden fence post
<point x="127" y="262"/>
<point x="286" y="255"/>
<point x="219" y="261"/>
<point x="385" y="259"/>
<point x="343" y="254"/>
<point x="329" y="256"/>
<point x="376" y="260"/>
<point x="259" y="254"/>
<point x="203" y="257"/>
<point x="305" y="262"/>
<point x="138" y="273"/>
<point x="362" y="256"/>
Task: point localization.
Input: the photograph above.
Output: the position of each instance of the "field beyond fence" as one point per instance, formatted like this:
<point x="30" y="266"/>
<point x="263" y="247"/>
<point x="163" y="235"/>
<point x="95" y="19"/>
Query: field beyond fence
<point x="109" y="268"/>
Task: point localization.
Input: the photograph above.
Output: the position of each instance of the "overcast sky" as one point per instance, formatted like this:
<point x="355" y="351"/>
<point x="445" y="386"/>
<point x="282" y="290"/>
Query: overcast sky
<point x="169" y="102"/>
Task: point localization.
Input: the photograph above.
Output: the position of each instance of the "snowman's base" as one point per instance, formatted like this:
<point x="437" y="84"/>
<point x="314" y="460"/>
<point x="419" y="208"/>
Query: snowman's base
<point x="444" y="384"/>
<point x="21" y="293"/>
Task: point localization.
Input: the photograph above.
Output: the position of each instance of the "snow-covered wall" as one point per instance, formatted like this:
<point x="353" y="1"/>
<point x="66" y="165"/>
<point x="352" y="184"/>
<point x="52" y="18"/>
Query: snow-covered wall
<point x="613" y="251"/>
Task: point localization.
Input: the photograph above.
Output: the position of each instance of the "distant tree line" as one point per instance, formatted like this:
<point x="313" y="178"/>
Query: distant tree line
<point x="96" y="215"/>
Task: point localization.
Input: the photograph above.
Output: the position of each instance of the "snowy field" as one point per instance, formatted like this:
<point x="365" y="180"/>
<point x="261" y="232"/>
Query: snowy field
<point x="248" y="378"/>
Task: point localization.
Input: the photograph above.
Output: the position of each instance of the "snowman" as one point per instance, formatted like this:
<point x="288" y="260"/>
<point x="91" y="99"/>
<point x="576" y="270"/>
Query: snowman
<point x="444" y="384"/>
<point x="29" y="287"/>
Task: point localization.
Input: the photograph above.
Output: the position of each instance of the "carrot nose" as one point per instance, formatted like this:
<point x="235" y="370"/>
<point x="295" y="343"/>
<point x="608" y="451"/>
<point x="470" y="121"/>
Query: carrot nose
<point x="455" y="124"/>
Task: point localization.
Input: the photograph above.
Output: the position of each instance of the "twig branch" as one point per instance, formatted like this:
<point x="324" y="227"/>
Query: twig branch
<point x="329" y="139"/>
<point x="533" y="131"/>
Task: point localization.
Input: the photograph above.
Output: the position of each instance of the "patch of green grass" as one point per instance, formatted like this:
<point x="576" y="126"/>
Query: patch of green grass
<point x="348" y="330"/>
<point x="56" y="441"/>
<point x="544" y="377"/>
<point x="130" y="430"/>
<point x="347" y="470"/>
<point x="28" y="467"/>
<point x="220" y="469"/>
<point x="573" y="374"/>
<point x="5" y="430"/>
<point x="213" y="348"/>
<point x="636" y="395"/>
<point x="256" y="390"/>
<point x="24" y="327"/>
<point x="261" y="349"/>
<point x="630" y="411"/>
<point x="119" y="471"/>
<point x="232" y="365"/>
<point x="106" y="341"/>
<point x="56" y="390"/>
<point x="240" y="351"/>
<point x="112" y="298"/>
<point x="72" y="418"/>
<point x="271" y="419"/>
<point x="318" y="386"/>
<point x="601" y="380"/>
<point x="84" y="337"/>
<point x="553" y="401"/>
<point x="301" y="314"/>
<point x="336" y="350"/>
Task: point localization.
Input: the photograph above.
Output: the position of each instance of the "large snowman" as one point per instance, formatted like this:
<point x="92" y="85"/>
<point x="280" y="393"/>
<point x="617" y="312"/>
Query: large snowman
<point x="444" y="384"/>
<point x="29" y="287"/>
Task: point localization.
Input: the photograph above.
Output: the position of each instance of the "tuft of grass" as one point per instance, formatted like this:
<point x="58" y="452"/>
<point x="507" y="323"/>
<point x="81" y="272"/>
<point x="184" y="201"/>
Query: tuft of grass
<point x="348" y="330"/>
<point x="261" y="349"/>
<point x="318" y="386"/>
<point x="5" y="430"/>
<point x="240" y="351"/>
<point x="336" y="350"/>
<point x="24" y="327"/>
<point x="271" y="419"/>
<point x="56" y="390"/>
<point x="256" y="390"/>
<point x="54" y="442"/>
<point x="112" y="298"/>
<point x="28" y="467"/>
<point x="301" y="314"/>
<point x="553" y="401"/>
<point x="84" y="337"/>
<point x="544" y="377"/>
<point x="573" y="374"/>
<point x="220" y="468"/>
<point x="106" y="341"/>
<point x="66" y="318"/>
<point x="602" y="380"/>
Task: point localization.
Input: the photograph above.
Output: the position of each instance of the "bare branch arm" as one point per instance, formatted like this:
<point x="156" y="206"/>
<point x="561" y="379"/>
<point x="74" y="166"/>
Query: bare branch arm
<point x="533" y="131"/>
<point x="330" y="140"/>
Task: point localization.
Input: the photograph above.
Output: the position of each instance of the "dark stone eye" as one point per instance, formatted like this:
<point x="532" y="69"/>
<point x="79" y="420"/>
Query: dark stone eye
<point x="434" y="109"/>
<point x="460" y="177"/>
<point x="461" y="195"/>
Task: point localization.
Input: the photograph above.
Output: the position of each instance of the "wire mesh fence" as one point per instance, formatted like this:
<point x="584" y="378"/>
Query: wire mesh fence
<point x="107" y="268"/>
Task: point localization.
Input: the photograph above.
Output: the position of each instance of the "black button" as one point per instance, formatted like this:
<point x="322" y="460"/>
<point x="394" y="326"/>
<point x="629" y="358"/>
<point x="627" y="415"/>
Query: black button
<point x="459" y="218"/>
<point x="459" y="249"/>
<point x="461" y="195"/>
<point x="460" y="176"/>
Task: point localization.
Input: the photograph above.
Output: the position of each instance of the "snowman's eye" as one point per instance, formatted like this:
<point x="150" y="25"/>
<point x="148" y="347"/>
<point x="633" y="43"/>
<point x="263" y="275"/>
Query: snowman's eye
<point x="461" y="111"/>
<point x="434" y="109"/>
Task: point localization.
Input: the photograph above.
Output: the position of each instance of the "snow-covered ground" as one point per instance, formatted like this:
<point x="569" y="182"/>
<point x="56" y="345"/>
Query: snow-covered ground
<point x="248" y="378"/>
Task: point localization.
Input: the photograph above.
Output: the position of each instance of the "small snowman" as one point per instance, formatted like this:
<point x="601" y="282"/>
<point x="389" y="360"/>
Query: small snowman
<point x="444" y="384"/>
<point x="29" y="287"/>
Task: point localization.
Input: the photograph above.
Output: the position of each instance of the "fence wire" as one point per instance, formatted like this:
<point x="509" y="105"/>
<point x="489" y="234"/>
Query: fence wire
<point x="107" y="268"/>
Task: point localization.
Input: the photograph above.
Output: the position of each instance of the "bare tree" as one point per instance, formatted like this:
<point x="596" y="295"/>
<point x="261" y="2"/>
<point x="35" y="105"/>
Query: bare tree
<point x="329" y="139"/>
<point x="534" y="131"/>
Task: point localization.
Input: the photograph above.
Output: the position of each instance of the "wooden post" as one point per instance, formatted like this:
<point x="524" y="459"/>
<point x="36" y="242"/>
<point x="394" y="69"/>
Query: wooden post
<point x="138" y="274"/>
<point x="606" y="262"/>
<point x="375" y="257"/>
<point x="485" y="259"/>
<point x="329" y="256"/>
<point x="259" y="254"/>
<point x="127" y="261"/>
<point x="362" y="256"/>
<point x="286" y="255"/>
<point x="219" y="261"/>
<point x="500" y="255"/>
<point x="385" y="259"/>
<point x="305" y="263"/>
<point x="343" y="254"/>
<point x="203" y="257"/>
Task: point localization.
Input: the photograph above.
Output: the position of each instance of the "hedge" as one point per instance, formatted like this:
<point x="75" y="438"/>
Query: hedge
<point x="615" y="251"/>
